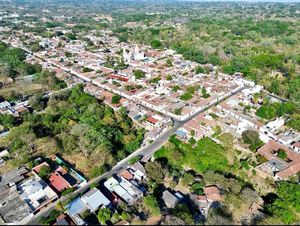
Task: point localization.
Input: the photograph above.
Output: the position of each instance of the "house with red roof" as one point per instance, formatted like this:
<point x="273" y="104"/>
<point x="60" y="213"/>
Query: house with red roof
<point x="58" y="183"/>
<point x="213" y="194"/>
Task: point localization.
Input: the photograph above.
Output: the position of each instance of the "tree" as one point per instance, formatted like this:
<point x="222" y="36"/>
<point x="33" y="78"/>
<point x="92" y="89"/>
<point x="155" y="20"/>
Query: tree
<point x="219" y="216"/>
<point x="183" y="212"/>
<point x="197" y="188"/>
<point x="169" y="62"/>
<point x="187" y="179"/>
<point x="205" y="94"/>
<point x="251" y="137"/>
<point x="45" y="170"/>
<point x="266" y="112"/>
<point x="7" y="121"/>
<point x="186" y="96"/>
<point x="139" y="74"/>
<point x="116" y="99"/>
<point x="175" y="88"/>
<point x="169" y="77"/>
<point x="38" y="102"/>
<point x="155" y="171"/>
<point x="282" y="154"/>
<point x="156" y="44"/>
<point x="103" y="215"/>
<point x="151" y="205"/>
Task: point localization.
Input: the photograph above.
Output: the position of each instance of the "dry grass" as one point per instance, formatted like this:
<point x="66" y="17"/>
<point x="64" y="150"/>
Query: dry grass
<point x="21" y="87"/>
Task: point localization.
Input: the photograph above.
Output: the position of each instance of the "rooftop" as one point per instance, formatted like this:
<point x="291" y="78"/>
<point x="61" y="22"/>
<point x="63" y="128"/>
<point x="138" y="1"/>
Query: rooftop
<point x="94" y="199"/>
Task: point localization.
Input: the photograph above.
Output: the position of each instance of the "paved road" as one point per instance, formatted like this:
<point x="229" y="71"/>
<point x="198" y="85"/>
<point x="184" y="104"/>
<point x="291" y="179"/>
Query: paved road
<point x="147" y="150"/>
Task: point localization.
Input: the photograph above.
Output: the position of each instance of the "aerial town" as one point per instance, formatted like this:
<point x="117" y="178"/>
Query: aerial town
<point x="99" y="130"/>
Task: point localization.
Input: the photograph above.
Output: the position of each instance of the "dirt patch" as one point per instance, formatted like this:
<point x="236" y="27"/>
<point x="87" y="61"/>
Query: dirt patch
<point x="153" y="220"/>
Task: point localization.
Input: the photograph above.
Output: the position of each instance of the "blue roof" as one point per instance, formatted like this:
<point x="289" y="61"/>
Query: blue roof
<point x="180" y="133"/>
<point x="75" y="207"/>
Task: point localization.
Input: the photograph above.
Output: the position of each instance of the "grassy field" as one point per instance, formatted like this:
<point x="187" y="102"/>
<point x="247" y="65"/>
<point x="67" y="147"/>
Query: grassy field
<point x="206" y="154"/>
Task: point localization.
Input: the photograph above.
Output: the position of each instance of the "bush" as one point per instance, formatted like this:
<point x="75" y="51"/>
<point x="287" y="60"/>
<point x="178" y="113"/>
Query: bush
<point x="67" y="191"/>
<point x="134" y="160"/>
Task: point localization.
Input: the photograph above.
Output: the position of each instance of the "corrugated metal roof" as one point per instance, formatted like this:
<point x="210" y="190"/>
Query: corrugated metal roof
<point x="94" y="199"/>
<point x="75" y="207"/>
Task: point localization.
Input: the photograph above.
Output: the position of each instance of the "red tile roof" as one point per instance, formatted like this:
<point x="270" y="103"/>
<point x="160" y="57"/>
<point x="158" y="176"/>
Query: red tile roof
<point x="57" y="182"/>
<point x="126" y="175"/>
<point x="290" y="171"/>
<point x="152" y="120"/>
<point x="213" y="193"/>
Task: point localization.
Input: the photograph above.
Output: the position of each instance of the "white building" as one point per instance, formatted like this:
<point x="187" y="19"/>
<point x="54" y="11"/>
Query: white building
<point x="36" y="193"/>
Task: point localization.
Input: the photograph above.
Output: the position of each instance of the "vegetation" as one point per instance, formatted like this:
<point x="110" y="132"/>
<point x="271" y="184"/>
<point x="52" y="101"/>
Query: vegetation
<point x="251" y="137"/>
<point x="103" y="215"/>
<point x="139" y="74"/>
<point x="45" y="171"/>
<point x="263" y="50"/>
<point x="12" y="62"/>
<point x="151" y="205"/>
<point x="186" y="96"/>
<point x="134" y="160"/>
<point x="116" y="99"/>
<point x="282" y="154"/>
<point x="270" y="111"/>
<point x="76" y="124"/>
<point x="286" y="204"/>
<point x="155" y="171"/>
<point x="204" y="155"/>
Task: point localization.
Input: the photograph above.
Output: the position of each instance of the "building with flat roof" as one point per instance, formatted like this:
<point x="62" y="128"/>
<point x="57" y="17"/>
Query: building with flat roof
<point x="13" y="209"/>
<point x="36" y="193"/>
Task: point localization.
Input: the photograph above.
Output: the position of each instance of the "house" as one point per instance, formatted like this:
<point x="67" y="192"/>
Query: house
<point x="139" y="171"/>
<point x="4" y="153"/>
<point x="95" y="199"/>
<point x="75" y="208"/>
<point x="213" y="194"/>
<point x="14" y="176"/>
<point x="37" y="168"/>
<point x="280" y="168"/>
<point x="182" y="134"/>
<point x="152" y="121"/>
<point x="13" y="209"/>
<point x="124" y="189"/>
<point x="170" y="199"/>
<point x="126" y="174"/>
<point x="288" y="137"/>
<point x="36" y="193"/>
<point x="58" y="182"/>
